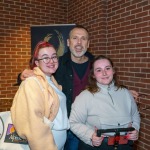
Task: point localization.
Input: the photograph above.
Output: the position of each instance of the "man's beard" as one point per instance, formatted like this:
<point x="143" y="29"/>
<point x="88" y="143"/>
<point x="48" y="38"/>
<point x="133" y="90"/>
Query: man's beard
<point x="78" y="54"/>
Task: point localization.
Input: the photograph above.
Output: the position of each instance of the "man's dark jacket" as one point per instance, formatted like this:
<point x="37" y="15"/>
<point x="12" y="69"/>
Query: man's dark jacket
<point x="64" y="76"/>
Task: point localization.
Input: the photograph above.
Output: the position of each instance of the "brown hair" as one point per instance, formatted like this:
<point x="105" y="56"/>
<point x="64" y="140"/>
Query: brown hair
<point x="92" y="83"/>
<point x="34" y="57"/>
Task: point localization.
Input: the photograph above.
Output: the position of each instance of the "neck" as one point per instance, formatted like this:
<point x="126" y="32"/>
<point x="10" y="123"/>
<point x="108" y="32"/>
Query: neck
<point x="48" y="75"/>
<point x="79" y="60"/>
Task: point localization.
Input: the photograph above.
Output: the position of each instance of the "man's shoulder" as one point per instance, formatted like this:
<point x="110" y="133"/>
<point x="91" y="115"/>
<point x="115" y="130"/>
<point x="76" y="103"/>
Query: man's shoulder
<point x="89" y="55"/>
<point x="65" y="57"/>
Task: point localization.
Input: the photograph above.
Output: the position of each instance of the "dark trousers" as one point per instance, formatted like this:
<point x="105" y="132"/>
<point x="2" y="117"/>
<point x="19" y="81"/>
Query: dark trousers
<point x="105" y="146"/>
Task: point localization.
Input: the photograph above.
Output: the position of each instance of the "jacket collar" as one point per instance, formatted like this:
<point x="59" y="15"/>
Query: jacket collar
<point x="106" y="87"/>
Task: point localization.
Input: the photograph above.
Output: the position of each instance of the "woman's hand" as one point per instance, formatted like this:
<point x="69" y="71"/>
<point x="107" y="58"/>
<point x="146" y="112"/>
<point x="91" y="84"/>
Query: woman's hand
<point x="96" y="141"/>
<point x="133" y="135"/>
<point x="26" y="73"/>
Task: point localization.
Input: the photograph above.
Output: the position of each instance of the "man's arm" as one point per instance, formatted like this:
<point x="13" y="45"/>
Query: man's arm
<point x="134" y="94"/>
<point x="25" y="74"/>
<point x="19" y="79"/>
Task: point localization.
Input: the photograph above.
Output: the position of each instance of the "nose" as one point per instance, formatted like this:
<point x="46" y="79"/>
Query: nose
<point x="79" y="41"/>
<point x="104" y="72"/>
<point x="51" y="60"/>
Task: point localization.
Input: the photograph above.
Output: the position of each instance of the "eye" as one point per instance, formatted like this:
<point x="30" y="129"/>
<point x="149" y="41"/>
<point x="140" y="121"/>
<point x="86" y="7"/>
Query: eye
<point x="98" y="70"/>
<point x="46" y="58"/>
<point x="54" y="57"/>
<point x="108" y="68"/>
<point x="74" y="38"/>
<point x="84" y="38"/>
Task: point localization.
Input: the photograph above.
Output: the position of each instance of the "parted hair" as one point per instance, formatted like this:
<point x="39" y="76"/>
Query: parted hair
<point x="92" y="83"/>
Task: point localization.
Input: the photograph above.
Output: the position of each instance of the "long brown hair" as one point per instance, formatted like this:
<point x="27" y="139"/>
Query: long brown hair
<point x="41" y="44"/>
<point x="92" y="83"/>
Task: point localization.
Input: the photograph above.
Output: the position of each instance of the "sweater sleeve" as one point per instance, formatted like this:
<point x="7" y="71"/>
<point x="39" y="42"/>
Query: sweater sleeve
<point x="78" y="119"/>
<point x="135" y="113"/>
<point x="28" y="116"/>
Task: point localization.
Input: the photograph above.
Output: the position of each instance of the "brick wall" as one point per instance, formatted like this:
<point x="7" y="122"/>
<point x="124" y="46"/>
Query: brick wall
<point x="118" y="28"/>
<point x="128" y="28"/>
<point x="16" y="18"/>
<point x="121" y="30"/>
<point x="92" y="14"/>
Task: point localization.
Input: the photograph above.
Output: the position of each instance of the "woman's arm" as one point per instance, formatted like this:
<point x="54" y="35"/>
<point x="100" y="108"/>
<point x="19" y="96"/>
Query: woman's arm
<point x="78" y="119"/>
<point x="133" y="135"/>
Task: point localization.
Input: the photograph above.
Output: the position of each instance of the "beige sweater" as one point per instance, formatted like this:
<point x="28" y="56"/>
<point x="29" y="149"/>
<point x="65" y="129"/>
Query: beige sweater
<point x="34" y="100"/>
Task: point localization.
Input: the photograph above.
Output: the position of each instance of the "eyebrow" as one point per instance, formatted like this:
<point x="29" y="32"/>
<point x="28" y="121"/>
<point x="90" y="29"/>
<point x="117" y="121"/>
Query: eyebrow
<point x="105" y="67"/>
<point x="47" y="54"/>
<point x="44" y="55"/>
<point x="78" y="36"/>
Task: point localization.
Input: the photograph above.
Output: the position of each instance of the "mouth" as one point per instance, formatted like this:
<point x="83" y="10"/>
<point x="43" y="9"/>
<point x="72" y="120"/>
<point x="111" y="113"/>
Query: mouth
<point x="51" y="66"/>
<point x="105" y="78"/>
<point x="78" y="47"/>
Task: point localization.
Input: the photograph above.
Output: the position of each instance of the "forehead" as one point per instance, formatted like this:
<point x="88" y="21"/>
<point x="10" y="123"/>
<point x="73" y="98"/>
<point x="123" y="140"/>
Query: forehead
<point x="47" y="50"/>
<point x="79" y="31"/>
<point x="101" y="63"/>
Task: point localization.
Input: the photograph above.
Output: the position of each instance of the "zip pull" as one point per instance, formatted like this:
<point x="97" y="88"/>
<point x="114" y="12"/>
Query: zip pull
<point x="108" y="88"/>
<point x="109" y="94"/>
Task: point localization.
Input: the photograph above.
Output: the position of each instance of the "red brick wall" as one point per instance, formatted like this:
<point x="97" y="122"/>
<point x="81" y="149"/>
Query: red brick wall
<point x="121" y="30"/>
<point x="118" y="28"/>
<point x="92" y="14"/>
<point x="16" y="18"/>
<point x="128" y="28"/>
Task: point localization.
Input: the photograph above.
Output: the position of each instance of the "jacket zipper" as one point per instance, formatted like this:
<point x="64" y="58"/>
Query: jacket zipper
<point x="112" y="100"/>
<point x="110" y="95"/>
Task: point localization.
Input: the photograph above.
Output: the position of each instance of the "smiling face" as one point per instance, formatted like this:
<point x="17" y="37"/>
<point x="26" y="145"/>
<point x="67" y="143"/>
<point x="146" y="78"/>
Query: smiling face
<point x="50" y="67"/>
<point x="103" y="71"/>
<point x="78" y="42"/>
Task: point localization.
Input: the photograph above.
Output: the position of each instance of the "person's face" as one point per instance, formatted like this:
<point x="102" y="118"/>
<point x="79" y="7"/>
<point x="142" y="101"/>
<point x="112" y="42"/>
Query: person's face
<point x="103" y="72"/>
<point x="50" y="67"/>
<point x="78" y="42"/>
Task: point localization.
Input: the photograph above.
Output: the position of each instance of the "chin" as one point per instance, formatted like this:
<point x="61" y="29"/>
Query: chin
<point x="106" y="83"/>
<point x="52" y="72"/>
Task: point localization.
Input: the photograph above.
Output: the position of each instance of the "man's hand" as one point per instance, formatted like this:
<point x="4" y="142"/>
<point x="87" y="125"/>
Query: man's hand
<point x="134" y="94"/>
<point x="26" y="73"/>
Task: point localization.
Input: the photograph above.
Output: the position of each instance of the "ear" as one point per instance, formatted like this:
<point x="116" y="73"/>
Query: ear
<point x="37" y="63"/>
<point x="68" y="42"/>
<point x="88" y="43"/>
